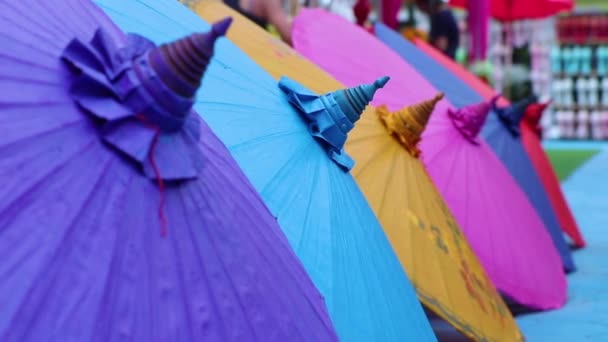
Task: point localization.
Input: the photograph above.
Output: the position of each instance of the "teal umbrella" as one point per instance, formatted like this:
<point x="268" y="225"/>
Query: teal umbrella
<point x="303" y="179"/>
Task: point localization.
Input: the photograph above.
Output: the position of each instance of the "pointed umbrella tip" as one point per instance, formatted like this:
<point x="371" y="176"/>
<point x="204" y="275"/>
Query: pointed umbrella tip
<point x="219" y="28"/>
<point x="437" y="98"/>
<point x="353" y="101"/>
<point x="381" y="82"/>
<point x="181" y="64"/>
<point x="494" y="100"/>
<point x="421" y="112"/>
<point x="470" y="119"/>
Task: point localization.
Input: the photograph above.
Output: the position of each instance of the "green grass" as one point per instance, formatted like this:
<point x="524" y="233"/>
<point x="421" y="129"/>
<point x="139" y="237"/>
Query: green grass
<point x="566" y="162"/>
<point x="602" y="4"/>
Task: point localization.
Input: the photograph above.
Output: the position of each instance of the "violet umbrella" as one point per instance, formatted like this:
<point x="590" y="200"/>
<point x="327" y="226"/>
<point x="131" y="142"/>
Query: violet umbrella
<point x="122" y="216"/>
<point x="501" y="132"/>
<point x="302" y="177"/>
<point x="494" y="213"/>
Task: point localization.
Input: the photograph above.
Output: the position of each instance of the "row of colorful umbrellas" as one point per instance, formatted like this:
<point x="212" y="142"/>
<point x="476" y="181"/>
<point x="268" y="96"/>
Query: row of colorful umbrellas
<point x="265" y="202"/>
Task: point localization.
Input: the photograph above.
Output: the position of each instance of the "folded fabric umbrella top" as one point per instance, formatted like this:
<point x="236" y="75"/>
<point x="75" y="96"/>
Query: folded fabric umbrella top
<point x="95" y="139"/>
<point x="470" y="120"/>
<point x="533" y="116"/>
<point x="407" y="124"/>
<point x="330" y="117"/>
<point x="317" y="204"/>
<point x="498" y="220"/>
<point x="512" y="115"/>
<point x="501" y="131"/>
<point x="428" y="242"/>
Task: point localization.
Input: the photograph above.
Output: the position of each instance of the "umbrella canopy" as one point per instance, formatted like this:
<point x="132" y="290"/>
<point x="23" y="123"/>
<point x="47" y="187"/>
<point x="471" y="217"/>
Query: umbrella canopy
<point x="448" y="276"/>
<point x="503" y="134"/>
<point x="467" y="292"/>
<point x="512" y="10"/>
<point x="501" y="131"/>
<point x="461" y="93"/>
<point x="495" y="215"/>
<point x="89" y="158"/>
<point x="530" y="136"/>
<point x="302" y="180"/>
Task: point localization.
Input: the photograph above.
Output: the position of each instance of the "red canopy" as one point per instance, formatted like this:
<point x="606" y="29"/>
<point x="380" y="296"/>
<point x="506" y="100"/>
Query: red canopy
<point x="530" y="139"/>
<point x="511" y="10"/>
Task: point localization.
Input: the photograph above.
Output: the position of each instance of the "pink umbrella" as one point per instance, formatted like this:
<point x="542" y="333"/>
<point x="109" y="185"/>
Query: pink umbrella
<point x="499" y="222"/>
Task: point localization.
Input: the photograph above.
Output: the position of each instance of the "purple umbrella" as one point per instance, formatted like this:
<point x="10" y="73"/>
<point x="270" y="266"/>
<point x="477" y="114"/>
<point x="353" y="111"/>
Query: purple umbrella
<point x="100" y="156"/>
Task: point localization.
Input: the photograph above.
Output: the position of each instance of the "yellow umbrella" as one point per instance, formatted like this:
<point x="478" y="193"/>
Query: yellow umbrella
<point x="429" y="243"/>
<point x="447" y="275"/>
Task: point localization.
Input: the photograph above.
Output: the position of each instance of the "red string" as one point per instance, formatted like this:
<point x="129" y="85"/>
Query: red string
<point x="159" y="179"/>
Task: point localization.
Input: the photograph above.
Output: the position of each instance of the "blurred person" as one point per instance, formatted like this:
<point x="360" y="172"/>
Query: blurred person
<point x="265" y="12"/>
<point x="444" y="34"/>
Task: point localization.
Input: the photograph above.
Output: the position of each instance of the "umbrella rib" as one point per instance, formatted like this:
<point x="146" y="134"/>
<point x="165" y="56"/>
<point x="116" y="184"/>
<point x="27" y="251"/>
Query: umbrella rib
<point x="106" y="304"/>
<point x="212" y="243"/>
<point x="279" y="234"/>
<point x="52" y="277"/>
<point x="419" y="180"/>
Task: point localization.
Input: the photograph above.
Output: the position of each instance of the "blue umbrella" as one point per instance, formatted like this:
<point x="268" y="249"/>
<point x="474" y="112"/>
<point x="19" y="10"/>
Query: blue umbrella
<point x="498" y="131"/>
<point x="302" y="179"/>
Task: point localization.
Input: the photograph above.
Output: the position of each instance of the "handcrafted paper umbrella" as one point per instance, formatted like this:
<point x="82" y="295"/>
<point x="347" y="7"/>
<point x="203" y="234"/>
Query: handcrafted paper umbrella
<point x="530" y="136"/>
<point x="461" y="94"/>
<point x="97" y="136"/>
<point x="512" y="10"/>
<point x="495" y="215"/>
<point x="466" y="298"/>
<point x="501" y="131"/>
<point x="503" y="134"/>
<point x="269" y="52"/>
<point x="419" y="225"/>
<point x="302" y="180"/>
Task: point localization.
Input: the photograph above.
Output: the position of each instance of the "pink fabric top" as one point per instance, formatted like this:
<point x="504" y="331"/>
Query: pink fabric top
<point x="494" y="213"/>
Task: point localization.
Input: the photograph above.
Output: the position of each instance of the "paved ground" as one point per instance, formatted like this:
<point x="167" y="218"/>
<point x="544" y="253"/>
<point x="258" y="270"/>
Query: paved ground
<point x="585" y="317"/>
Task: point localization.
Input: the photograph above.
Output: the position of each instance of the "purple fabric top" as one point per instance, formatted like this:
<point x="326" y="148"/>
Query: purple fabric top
<point x="470" y="119"/>
<point x="141" y="117"/>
